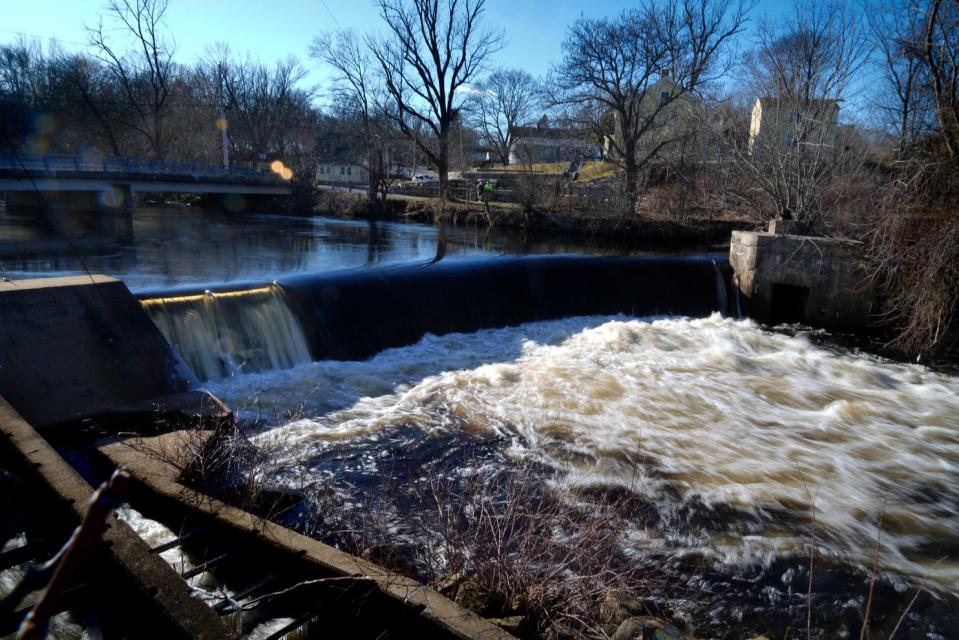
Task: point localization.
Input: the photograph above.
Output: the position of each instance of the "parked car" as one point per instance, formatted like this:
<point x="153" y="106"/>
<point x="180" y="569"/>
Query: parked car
<point x="425" y="178"/>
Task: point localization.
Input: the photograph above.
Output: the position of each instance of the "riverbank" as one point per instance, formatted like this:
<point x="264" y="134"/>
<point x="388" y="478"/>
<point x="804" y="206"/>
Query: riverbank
<point x="693" y="231"/>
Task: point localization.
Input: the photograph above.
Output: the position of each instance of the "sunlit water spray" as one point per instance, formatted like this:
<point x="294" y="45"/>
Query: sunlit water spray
<point x="730" y="431"/>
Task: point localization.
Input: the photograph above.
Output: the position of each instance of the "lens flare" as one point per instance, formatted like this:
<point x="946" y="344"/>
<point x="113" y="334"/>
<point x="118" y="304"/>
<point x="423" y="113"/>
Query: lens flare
<point x="112" y="198"/>
<point x="45" y="123"/>
<point x="276" y="166"/>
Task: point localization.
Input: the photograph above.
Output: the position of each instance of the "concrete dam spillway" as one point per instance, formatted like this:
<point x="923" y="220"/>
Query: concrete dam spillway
<point x="354" y="315"/>
<point x="607" y="376"/>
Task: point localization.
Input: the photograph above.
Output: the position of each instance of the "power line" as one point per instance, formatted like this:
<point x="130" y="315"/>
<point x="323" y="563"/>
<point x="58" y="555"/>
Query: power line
<point x="329" y="11"/>
<point x="51" y="38"/>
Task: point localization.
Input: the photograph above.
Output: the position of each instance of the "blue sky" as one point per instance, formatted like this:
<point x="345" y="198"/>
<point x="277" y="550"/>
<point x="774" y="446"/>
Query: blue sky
<point x="273" y="29"/>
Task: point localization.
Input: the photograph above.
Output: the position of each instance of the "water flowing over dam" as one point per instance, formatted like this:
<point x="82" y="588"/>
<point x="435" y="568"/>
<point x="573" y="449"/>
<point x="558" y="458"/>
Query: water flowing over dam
<point x="219" y="334"/>
<point x="355" y="314"/>
<point x="731" y="438"/>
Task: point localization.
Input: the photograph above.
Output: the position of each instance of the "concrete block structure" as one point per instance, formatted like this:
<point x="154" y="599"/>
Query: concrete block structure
<point x="80" y="347"/>
<point x="788" y="278"/>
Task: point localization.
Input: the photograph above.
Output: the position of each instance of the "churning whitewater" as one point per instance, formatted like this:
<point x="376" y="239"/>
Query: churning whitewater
<point x="709" y="415"/>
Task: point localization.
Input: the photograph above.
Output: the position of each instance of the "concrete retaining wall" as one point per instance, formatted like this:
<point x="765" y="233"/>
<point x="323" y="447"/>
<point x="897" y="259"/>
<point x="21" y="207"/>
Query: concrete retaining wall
<point x="784" y="278"/>
<point x="426" y="612"/>
<point x="72" y="348"/>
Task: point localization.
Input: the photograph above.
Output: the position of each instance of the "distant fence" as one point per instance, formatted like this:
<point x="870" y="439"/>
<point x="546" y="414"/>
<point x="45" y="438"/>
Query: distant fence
<point x="87" y="166"/>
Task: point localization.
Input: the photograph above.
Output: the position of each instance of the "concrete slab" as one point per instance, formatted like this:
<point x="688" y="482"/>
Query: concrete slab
<point x="150" y="461"/>
<point x="76" y="347"/>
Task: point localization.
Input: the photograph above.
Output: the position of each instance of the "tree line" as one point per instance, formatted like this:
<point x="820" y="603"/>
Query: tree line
<point x="127" y="96"/>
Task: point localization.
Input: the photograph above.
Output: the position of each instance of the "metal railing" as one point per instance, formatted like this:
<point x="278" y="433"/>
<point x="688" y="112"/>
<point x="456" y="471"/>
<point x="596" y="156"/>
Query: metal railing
<point x="84" y="165"/>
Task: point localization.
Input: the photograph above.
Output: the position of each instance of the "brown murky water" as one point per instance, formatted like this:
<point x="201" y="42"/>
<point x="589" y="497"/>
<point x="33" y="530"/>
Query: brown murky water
<point x="737" y="436"/>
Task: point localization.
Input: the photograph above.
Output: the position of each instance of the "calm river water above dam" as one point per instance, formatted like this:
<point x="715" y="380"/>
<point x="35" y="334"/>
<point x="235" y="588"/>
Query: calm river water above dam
<point x="173" y="247"/>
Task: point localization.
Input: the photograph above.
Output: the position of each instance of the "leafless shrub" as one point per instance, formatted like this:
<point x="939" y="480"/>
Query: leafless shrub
<point x="914" y="256"/>
<point x="220" y="463"/>
<point x="504" y="544"/>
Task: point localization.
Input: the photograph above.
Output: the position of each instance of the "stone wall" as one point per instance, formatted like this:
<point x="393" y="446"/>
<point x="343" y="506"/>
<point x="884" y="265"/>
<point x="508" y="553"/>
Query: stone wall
<point x="784" y="278"/>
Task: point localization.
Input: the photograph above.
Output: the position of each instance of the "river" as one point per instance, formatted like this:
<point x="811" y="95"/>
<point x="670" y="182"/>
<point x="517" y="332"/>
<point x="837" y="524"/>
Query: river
<point x="732" y="438"/>
<point x="729" y="452"/>
<point x="170" y="247"/>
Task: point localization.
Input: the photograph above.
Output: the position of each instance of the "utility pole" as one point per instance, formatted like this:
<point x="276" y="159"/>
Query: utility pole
<point x="221" y="123"/>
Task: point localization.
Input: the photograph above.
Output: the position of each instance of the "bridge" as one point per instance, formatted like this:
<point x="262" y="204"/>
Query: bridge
<point x="112" y="182"/>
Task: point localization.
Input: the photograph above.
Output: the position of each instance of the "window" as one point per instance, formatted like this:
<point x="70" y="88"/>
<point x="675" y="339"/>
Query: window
<point x="342" y="171"/>
<point x="663" y="97"/>
<point x="349" y="171"/>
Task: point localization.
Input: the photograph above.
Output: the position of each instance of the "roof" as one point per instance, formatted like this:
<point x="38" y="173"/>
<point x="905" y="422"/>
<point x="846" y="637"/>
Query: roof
<point x="772" y="102"/>
<point x="553" y="133"/>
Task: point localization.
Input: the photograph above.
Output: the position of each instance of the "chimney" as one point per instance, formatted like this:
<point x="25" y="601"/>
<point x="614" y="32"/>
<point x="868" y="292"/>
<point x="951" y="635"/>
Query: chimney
<point x="664" y="72"/>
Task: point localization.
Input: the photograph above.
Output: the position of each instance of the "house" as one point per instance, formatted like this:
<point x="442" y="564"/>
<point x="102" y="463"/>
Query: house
<point x="341" y="173"/>
<point x="779" y="123"/>
<point x="543" y="143"/>
<point x="676" y="121"/>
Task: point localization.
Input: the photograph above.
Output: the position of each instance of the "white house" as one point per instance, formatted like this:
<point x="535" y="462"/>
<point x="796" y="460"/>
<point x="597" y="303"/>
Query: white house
<point x="341" y="173"/>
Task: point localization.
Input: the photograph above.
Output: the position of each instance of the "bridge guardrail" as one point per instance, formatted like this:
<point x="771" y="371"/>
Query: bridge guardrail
<point x="53" y="165"/>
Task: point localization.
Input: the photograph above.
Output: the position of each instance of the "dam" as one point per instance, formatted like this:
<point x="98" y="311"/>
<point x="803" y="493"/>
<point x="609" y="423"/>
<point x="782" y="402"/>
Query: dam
<point x="653" y="435"/>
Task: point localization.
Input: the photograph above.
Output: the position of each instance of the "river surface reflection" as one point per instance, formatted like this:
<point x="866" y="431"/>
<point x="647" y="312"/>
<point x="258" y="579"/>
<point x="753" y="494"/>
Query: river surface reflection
<point x="171" y="247"/>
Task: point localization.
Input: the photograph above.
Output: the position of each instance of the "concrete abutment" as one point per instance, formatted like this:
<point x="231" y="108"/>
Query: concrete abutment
<point x="812" y="280"/>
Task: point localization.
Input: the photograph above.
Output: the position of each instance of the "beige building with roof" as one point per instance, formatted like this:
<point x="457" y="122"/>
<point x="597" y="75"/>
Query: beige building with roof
<point x="678" y="120"/>
<point x="779" y="124"/>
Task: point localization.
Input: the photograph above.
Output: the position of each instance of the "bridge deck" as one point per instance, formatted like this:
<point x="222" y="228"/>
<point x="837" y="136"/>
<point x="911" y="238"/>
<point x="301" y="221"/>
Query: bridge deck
<point x="85" y="173"/>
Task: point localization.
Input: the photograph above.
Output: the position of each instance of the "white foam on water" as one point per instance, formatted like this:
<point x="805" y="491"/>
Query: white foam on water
<point x="713" y="412"/>
<point x="205" y="585"/>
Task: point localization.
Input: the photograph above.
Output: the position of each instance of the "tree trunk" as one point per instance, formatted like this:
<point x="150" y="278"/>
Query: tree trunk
<point x="630" y="176"/>
<point x="373" y="174"/>
<point x="504" y="155"/>
<point x="442" y="167"/>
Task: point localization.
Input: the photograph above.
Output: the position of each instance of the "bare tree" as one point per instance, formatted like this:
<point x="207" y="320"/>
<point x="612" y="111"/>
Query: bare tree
<point x="914" y="245"/>
<point x="941" y="49"/>
<point x="267" y="108"/>
<point x="504" y="100"/>
<point x="359" y="92"/>
<point x="23" y="90"/>
<point x="146" y="73"/>
<point x="612" y="68"/>
<point x="903" y="98"/>
<point x="432" y="49"/>
<point x="798" y="158"/>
